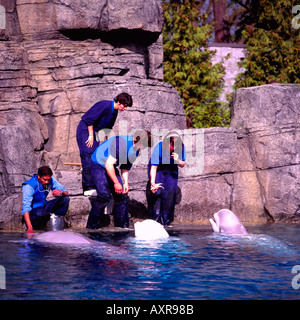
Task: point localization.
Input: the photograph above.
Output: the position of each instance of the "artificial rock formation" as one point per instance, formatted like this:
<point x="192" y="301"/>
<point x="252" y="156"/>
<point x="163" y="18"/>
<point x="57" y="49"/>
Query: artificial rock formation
<point x="59" y="57"/>
<point x="253" y="167"/>
<point x="268" y="118"/>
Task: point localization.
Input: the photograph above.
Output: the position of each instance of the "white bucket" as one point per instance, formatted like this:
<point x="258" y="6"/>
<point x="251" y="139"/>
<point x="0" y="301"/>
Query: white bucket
<point x="56" y="223"/>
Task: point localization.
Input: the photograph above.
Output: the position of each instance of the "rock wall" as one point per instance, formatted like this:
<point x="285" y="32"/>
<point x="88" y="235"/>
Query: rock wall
<point x="59" y="57"/>
<point x="253" y="167"/>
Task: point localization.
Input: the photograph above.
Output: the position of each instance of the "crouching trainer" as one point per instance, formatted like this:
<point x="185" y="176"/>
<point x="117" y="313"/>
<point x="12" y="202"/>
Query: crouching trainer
<point x="166" y="157"/>
<point x="35" y="208"/>
<point x="122" y="151"/>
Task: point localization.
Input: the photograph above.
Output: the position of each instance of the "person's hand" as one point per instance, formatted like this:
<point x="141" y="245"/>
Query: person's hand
<point x="57" y="193"/>
<point x="125" y="188"/>
<point x="90" y="141"/>
<point x="175" y="156"/>
<point x="30" y="230"/>
<point x="155" y="187"/>
<point x="118" y="187"/>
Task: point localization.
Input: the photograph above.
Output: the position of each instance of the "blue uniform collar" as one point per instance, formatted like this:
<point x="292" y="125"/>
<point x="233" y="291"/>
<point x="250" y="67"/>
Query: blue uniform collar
<point x="112" y="107"/>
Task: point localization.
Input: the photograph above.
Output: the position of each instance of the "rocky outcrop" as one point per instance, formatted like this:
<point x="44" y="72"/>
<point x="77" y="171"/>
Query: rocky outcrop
<point x="269" y="117"/>
<point x="253" y="167"/>
<point x="59" y="57"/>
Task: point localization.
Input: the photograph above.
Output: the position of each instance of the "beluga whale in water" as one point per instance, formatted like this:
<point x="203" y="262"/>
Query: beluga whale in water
<point x="149" y="230"/>
<point x="225" y="221"/>
<point x="63" y="237"/>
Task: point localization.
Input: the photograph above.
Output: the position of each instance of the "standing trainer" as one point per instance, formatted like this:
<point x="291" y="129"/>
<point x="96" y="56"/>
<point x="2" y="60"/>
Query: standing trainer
<point x="167" y="156"/>
<point x="101" y="115"/>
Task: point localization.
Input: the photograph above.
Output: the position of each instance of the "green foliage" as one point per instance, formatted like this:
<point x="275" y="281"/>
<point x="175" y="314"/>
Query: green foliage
<point x="273" y="46"/>
<point x="188" y="66"/>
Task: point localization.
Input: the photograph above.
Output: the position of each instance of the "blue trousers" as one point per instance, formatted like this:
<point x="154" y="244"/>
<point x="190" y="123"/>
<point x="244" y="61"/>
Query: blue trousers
<point x="82" y="135"/>
<point x="162" y="203"/>
<point x="105" y="190"/>
<point x="39" y="216"/>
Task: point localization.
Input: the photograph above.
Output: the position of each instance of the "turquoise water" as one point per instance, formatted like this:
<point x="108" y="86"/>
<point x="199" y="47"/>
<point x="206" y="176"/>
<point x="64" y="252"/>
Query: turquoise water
<point x="193" y="263"/>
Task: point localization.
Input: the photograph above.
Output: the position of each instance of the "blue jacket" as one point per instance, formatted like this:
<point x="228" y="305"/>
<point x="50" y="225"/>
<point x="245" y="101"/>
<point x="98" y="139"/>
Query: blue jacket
<point x="34" y="194"/>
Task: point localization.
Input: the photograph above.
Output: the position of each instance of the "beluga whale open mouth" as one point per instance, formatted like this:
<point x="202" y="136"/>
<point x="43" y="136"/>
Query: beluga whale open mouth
<point x="225" y="221"/>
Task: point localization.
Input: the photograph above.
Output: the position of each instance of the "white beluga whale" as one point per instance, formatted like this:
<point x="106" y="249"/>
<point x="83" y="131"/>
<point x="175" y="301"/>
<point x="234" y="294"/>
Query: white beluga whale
<point x="63" y="237"/>
<point x="149" y="230"/>
<point x="225" y="221"/>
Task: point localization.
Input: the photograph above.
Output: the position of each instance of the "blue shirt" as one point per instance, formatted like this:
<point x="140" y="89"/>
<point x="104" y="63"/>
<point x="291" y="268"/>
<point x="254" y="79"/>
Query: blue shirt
<point x="120" y="147"/>
<point x="101" y="115"/>
<point x="34" y="194"/>
<point x="161" y="158"/>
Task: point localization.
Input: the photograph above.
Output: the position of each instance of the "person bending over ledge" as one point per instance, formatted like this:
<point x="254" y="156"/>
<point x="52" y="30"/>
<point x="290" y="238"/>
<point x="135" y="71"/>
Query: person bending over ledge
<point x="102" y="115"/>
<point x="117" y="151"/>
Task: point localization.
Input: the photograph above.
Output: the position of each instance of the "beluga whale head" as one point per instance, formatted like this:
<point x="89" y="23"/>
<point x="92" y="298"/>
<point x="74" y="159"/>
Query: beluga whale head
<point x="149" y="230"/>
<point x="225" y="221"/>
<point x="62" y="237"/>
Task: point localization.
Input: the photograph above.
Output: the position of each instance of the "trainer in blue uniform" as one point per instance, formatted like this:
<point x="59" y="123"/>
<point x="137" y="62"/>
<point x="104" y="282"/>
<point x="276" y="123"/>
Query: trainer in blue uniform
<point x="101" y="115"/>
<point x="35" y="209"/>
<point x="116" y="151"/>
<point x="166" y="157"/>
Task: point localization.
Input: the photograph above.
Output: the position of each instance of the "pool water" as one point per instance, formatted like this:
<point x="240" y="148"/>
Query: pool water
<point x="194" y="263"/>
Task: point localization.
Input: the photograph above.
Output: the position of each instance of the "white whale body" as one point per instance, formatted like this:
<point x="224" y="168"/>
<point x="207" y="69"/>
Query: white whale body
<point x="149" y="230"/>
<point x="225" y="221"/>
<point x="63" y="237"/>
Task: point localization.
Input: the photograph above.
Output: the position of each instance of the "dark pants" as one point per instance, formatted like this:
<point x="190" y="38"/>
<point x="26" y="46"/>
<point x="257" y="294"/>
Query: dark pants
<point x="39" y="216"/>
<point x="82" y="135"/>
<point x="105" y="190"/>
<point x="162" y="203"/>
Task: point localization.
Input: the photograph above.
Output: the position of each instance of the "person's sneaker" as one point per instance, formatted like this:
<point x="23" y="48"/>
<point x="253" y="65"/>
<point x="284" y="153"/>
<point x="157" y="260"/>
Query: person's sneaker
<point x="90" y="193"/>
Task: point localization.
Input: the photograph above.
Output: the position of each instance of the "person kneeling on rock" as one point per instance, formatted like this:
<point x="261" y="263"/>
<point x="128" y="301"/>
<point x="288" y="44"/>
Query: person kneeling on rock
<point x="35" y="208"/>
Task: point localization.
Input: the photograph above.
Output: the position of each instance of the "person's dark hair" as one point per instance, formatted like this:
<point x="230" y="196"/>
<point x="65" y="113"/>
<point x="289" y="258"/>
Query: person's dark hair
<point x="45" y="171"/>
<point x="124" y="98"/>
<point x="172" y="138"/>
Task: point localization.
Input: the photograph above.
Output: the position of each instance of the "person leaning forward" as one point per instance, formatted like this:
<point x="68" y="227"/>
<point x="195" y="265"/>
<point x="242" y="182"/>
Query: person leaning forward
<point x="102" y="115"/>
<point x="122" y="151"/>
<point x="35" y="208"/>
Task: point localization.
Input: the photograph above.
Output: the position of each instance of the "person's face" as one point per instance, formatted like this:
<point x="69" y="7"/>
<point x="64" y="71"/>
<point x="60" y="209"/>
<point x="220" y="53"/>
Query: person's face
<point x="121" y="107"/>
<point x="138" y="146"/>
<point x="142" y="147"/>
<point x="44" y="180"/>
<point x="172" y="146"/>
